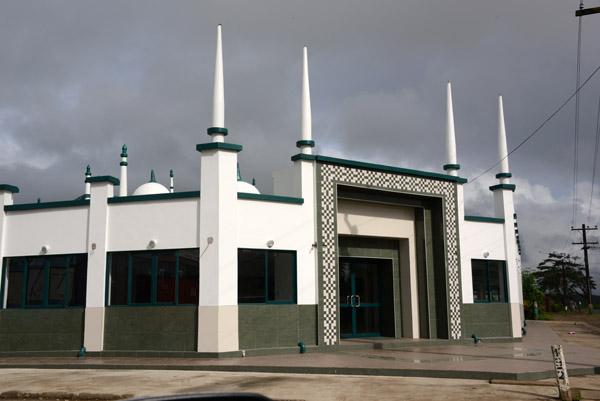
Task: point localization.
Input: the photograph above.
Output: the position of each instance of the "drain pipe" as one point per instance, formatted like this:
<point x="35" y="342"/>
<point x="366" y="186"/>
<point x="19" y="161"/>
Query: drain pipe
<point x="81" y="353"/>
<point x="476" y="339"/>
<point x="302" y="347"/>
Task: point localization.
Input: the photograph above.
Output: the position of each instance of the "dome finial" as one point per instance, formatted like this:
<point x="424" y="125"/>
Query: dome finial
<point x="152" y="176"/>
<point x="124" y="151"/>
<point x="88" y="171"/>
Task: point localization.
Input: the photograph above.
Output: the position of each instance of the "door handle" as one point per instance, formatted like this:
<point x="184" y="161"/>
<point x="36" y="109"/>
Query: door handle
<point x="358" y="304"/>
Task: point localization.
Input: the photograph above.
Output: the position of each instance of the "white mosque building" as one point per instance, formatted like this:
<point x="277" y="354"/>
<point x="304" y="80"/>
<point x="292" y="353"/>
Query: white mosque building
<point x="341" y="249"/>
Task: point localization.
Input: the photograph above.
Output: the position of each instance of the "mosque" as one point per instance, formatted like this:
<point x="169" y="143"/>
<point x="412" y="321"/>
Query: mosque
<point x="342" y="249"/>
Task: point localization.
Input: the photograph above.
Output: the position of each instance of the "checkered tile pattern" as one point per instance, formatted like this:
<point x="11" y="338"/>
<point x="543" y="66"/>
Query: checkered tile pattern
<point x="330" y="175"/>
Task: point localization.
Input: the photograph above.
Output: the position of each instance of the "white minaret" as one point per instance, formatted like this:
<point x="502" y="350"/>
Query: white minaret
<point x="306" y="143"/>
<point x="171" y="189"/>
<point x="123" y="185"/>
<point x="503" y="174"/>
<point x="451" y="165"/>
<point x="504" y="208"/>
<point x="88" y="186"/>
<point x="217" y="303"/>
<point x="218" y="130"/>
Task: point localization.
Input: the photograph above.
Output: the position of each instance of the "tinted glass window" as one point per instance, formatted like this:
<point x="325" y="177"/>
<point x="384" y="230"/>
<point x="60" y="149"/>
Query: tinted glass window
<point x="480" y="286"/>
<point x="58" y="280"/>
<point x="141" y="278"/>
<point x="251" y="276"/>
<point x="281" y="276"/>
<point x="16" y="271"/>
<point x="77" y="280"/>
<point x="166" y="267"/>
<point x="119" y="270"/>
<point x="35" y="281"/>
<point x="188" y="277"/>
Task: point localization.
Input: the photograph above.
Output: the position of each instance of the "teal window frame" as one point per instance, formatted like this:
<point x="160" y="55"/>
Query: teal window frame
<point x="46" y="287"/>
<point x="154" y="278"/>
<point x="294" y="299"/>
<point x="488" y="281"/>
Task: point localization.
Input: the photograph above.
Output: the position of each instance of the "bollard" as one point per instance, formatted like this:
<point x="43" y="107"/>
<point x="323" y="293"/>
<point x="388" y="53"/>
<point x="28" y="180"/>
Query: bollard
<point x="562" y="378"/>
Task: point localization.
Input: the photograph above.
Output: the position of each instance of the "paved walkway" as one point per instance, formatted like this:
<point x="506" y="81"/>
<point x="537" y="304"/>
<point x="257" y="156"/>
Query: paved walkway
<point x="527" y="360"/>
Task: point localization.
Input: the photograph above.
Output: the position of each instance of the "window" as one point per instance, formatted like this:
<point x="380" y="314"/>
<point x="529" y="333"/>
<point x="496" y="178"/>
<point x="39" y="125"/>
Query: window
<point x="45" y="281"/>
<point x="266" y="276"/>
<point x="153" y="278"/>
<point x="489" y="280"/>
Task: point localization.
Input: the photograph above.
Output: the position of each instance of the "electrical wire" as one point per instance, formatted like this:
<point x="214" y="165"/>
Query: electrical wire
<point x="540" y="127"/>
<point x="595" y="159"/>
<point x="576" y="147"/>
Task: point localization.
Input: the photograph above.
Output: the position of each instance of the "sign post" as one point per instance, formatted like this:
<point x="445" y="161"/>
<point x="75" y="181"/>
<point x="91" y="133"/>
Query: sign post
<point x="562" y="378"/>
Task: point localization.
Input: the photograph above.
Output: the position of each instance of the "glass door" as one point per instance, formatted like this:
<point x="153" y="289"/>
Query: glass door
<point x="360" y="293"/>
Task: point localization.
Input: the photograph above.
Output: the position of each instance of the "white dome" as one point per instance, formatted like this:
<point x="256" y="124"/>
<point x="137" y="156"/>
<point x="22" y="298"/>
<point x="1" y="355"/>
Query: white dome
<point x="151" y="188"/>
<point x="243" y="186"/>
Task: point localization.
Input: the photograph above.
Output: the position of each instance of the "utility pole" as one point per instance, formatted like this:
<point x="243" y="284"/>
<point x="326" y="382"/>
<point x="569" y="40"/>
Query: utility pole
<point x="586" y="246"/>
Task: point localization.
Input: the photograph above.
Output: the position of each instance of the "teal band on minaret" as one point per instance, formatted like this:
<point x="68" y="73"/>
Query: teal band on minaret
<point x="218" y="145"/>
<point x="503" y="175"/>
<point x="302" y="143"/>
<point x="123" y="164"/>
<point x="451" y="166"/>
<point x="217" y="130"/>
<point x="512" y="187"/>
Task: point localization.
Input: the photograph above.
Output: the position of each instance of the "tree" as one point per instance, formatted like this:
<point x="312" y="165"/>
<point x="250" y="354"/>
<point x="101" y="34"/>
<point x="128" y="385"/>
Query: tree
<point x="531" y="291"/>
<point x="562" y="276"/>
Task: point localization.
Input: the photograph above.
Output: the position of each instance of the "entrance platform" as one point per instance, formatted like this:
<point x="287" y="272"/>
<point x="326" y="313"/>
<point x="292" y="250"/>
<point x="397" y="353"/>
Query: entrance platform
<point x="530" y="359"/>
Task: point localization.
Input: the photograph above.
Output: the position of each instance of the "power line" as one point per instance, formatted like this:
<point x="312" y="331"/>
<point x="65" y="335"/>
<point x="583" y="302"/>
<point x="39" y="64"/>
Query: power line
<point x="541" y="126"/>
<point x="576" y="147"/>
<point x="595" y="159"/>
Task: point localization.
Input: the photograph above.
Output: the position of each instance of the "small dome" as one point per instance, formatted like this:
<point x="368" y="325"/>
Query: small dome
<point x="243" y="186"/>
<point x="151" y="188"/>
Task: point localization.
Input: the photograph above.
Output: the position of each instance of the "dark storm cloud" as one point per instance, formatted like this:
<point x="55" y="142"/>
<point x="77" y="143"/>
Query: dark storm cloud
<point x="80" y="78"/>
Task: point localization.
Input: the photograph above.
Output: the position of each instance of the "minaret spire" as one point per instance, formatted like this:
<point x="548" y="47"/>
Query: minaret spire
<point x="218" y="130"/>
<point x="503" y="174"/>
<point x="306" y="143"/>
<point x="123" y="180"/>
<point x="171" y="188"/>
<point x="451" y="165"/>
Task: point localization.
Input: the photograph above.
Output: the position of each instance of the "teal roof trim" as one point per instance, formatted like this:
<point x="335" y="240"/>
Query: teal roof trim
<point x="503" y="175"/>
<point x="11" y="188"/>
<point x="218" y="145"/>
<point x="305" y="142"/>
<point x="484" y="219"/>
<point x="451" y="166"/>
<point x="417" y="173"/>
<point x="512" y="187"/>
<point x="217" y="130"/>
<point x="271" y="198"/>
<point x="103" y="178"/>
<point x="47" y="205"/>
<point x="302" y="156"/>
<point x="141" y="198"/>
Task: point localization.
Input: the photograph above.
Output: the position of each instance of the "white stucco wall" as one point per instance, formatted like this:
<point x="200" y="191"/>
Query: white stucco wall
<point x="64" y="230"/>
<point x="290" y="226"/>
<point x="172" y="223"/>
<point x="478" y="238"/>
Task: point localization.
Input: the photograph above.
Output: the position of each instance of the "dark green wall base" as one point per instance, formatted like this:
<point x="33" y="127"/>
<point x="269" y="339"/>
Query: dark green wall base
<point x="486" y="319"/>
<point x="151" y="328"/>
<point x="41" y="329"/>
<point x="276" y="326"/>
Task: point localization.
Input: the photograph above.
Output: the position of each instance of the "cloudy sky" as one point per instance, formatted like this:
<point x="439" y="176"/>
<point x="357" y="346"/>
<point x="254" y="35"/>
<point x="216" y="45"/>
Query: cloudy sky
<point x="78" y="79"/>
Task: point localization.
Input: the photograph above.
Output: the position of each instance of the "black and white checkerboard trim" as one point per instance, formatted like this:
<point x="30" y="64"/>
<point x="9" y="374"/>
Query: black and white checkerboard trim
<point x="330" y="175"/>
